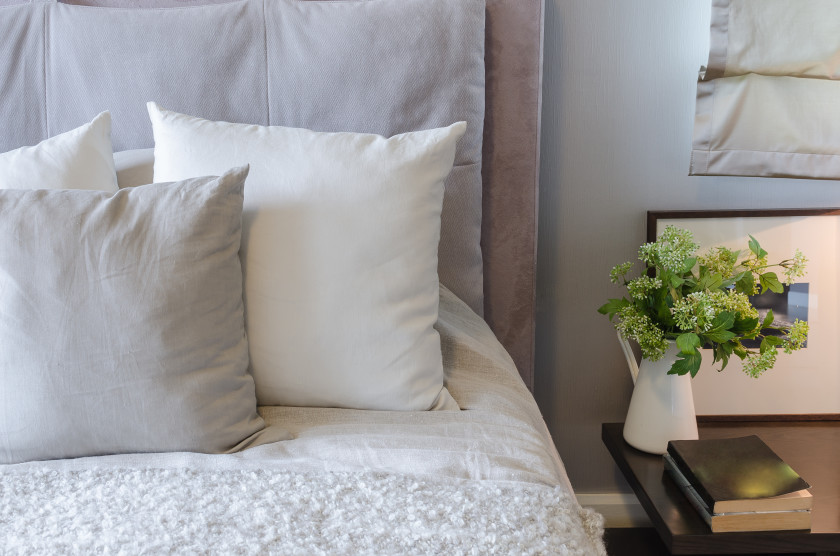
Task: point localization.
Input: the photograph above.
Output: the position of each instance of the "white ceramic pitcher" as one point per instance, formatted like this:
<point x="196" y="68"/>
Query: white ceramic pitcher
<point x="662" y="406"/>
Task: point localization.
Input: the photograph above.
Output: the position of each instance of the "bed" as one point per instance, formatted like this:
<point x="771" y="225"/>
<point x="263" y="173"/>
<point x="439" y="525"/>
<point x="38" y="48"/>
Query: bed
<point x="268" y="280"/>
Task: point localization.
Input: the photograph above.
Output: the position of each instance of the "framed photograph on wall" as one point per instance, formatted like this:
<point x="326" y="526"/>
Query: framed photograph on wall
<point x="805" y="382"/>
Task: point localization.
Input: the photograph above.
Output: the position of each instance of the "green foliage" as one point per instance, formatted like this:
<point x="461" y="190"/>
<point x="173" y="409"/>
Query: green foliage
<point x="701" y="301"/>
<point x="769" y="281"/>
<point x="756" y="248"/>
<point x="688" y="342"/>
<point x="687" y="363"/>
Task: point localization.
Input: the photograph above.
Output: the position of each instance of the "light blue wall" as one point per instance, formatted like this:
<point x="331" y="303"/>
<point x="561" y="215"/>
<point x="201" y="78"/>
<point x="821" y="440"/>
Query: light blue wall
<point x="618" y="106"/>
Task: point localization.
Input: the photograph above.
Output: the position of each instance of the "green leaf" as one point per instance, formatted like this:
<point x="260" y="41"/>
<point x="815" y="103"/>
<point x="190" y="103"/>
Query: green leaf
<point x="689" y="264"/>
<point x="768" y="320"/>
<point x="770" y="342"/>
<point x="719" y="336"/>
<point x="746" y="283"/>
<point x="734" y="279"/>
<point x="720" y="330"/>
<point x="709" y="281"/>
<point x="686" y="363"/>
<point x="722" y="354"/>
<point x="660" y="306"/>
<point x="742" y="326"/>
<point x="756" y="248"/>
<point x="770" y="281"/>
<point x="724" y="320"/>
<point x="676" y="281"/>
<point x="746" y="327"/>
<point x="612" y="306"/>
<point x="688" y="342"/>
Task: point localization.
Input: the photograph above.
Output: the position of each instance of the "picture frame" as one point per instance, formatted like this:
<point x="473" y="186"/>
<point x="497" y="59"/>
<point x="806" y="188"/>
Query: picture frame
<point x="804" y="384"/>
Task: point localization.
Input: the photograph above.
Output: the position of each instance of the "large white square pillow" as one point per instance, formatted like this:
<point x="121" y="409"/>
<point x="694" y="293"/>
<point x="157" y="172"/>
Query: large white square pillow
<point x="122" y="323"/>
<point x="81" y="158"/>
<point x="340" y="239"/>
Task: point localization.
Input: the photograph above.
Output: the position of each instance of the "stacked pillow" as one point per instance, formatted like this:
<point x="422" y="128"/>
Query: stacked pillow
<point x="339" y="253"/>
<point x="122" y="326"/>
<point x="121" y="314"/>
<point x="81" y="158"/>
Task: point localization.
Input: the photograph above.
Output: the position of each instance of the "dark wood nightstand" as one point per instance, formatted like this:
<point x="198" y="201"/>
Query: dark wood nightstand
<point x="812" y="448"/>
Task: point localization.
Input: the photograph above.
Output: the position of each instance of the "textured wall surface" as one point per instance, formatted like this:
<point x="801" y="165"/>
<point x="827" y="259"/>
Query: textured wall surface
<point x="618" y="107"/>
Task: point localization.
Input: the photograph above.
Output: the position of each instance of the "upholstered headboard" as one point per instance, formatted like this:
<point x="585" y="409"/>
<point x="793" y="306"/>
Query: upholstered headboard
<point x="235" y="61"/>
<point x="511" y="159"/>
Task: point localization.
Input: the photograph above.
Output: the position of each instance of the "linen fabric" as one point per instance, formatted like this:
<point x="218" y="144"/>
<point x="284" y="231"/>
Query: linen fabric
<point x="499" y="435"/>
<point x="766" y="103"/>
<point x="121" y="321"/>
<point x="81" y="158"/>
<point x="339" y="251"/>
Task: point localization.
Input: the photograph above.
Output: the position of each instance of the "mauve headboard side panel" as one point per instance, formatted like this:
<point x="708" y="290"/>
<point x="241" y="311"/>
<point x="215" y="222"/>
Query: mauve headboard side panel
<point x="513" y="65"/>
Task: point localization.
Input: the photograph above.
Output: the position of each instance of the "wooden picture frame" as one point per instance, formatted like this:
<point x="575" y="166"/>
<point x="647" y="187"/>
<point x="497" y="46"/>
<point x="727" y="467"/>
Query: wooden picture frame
<point x="806" y="383"/>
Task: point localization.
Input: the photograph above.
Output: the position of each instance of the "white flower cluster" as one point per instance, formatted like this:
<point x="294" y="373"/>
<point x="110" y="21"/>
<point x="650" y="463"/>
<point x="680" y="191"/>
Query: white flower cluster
<point x="670" y="250"/>
<point x="719" y="260"/>
<point x="756" y="363"/>
<point x="695" y="312"/>
<point x="640" y="287"/>
<point x="636" y="325"/>
<point x="796" y="268"/>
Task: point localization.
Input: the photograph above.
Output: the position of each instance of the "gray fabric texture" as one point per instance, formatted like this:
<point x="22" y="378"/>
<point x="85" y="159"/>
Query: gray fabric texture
<point x="384" y="67"/>
<point x="22" y="87"/>
<point x="121" y="321"/>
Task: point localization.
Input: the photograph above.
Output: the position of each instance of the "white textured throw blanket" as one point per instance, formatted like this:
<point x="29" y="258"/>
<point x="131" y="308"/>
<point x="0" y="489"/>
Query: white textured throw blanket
<point x="181" y="511"/>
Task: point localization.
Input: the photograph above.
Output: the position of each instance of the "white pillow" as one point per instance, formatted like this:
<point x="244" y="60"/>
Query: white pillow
<point x="81" y="158"/>
<point x="339" y="251"/>
<point x="134" y="167"/>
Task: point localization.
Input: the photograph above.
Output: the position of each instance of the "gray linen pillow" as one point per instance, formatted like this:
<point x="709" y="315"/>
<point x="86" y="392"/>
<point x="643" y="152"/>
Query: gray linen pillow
<point x="121" y="321"/>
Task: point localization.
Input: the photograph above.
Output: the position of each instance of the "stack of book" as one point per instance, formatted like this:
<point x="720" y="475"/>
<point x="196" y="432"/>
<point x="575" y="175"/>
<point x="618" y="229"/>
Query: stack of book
<point x="739" y="484"/>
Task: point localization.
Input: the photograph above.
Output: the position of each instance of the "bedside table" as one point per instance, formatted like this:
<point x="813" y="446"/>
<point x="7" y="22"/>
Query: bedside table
<point x="812" y="448"/>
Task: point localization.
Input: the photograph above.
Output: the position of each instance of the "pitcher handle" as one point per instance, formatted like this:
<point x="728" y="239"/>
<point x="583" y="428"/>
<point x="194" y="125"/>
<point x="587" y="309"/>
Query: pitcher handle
<point x="628" y="354"/>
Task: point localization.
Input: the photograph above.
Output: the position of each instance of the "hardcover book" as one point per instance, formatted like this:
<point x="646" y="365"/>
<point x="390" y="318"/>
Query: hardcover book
<point x="739" y="474"/>
<point x="768" y="520"/>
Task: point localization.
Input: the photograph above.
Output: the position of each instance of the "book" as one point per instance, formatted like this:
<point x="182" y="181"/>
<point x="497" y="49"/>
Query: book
<point x="739" y="475"/>
<point x="773" y="520"/>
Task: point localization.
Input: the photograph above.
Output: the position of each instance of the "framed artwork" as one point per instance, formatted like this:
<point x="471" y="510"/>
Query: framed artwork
<point x="805" y="383"/>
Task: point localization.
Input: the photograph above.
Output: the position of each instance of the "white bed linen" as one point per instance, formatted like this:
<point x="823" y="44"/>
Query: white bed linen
<point x="499" y="434"/>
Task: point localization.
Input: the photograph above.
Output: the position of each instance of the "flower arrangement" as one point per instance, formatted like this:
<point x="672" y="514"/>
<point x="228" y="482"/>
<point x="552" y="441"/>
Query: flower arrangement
<point x="703" y="300"/>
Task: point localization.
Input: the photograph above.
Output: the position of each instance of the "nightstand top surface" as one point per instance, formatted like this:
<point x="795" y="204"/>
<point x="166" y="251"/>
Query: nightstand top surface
<point x="812" y="448"/>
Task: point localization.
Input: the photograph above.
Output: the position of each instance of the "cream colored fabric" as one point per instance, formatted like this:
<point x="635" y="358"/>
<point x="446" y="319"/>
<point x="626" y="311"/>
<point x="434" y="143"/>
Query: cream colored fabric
<point x="499" y="434"/>
<point x="81" y="158"/>
<point x="340" y="235"/>
<point x="767" y="102"/>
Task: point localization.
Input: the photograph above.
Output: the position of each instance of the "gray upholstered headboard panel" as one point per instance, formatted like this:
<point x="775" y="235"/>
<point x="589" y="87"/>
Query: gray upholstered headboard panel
<point x="234" y="73"/>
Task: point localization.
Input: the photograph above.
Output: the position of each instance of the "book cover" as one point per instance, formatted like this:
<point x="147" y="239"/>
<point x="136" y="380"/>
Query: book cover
<point x="797" y="500"/>
<point x="729" y="469"/>
<point x="738" y="521"/>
